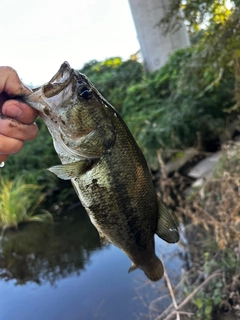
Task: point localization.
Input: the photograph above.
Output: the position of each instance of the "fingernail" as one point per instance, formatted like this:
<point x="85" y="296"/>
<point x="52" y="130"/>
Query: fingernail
<point x="13" y="111"/>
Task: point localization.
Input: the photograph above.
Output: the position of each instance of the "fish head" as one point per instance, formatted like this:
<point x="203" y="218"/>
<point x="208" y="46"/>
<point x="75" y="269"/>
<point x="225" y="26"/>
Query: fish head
<point x="75" y="113"/>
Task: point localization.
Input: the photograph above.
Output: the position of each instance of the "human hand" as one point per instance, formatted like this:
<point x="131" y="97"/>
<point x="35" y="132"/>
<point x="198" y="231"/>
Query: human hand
<point x="16" y="118"/>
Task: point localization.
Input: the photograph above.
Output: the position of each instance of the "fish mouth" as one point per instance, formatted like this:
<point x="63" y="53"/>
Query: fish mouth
<point x="58" y="82"/>
<point x="38" y="99"/>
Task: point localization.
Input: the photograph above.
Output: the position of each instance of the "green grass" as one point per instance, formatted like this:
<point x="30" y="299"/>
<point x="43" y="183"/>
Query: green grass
<point x="19" y="202"/>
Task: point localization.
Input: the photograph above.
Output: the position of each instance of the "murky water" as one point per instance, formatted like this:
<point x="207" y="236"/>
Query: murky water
<point x="62" y="272"/>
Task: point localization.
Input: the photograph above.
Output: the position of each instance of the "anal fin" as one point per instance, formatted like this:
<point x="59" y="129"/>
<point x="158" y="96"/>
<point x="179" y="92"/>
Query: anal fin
<point x="132" y="268"/>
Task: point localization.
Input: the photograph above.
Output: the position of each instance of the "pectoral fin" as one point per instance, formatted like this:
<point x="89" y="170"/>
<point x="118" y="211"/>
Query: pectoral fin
<point x="167" y="228"/>
<point x="71" y="170"/>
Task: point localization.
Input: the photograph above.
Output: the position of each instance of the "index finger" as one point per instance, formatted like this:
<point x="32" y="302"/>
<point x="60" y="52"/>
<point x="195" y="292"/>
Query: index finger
<point x="10" y="82"/>
<point x="19" y="111"/>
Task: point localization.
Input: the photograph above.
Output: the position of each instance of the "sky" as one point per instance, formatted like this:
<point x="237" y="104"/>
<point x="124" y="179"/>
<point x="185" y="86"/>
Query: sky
<point x="37" y="36"/>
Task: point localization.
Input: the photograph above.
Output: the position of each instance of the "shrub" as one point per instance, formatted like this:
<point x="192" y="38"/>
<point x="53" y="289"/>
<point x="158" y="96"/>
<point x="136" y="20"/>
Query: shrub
<point x="113" y="76"/>
<point x="175" y="105"/>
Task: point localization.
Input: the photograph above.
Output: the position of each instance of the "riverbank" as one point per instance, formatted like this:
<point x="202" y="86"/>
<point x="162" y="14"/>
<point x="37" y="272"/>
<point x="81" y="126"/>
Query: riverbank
<point x="210" y="213"/>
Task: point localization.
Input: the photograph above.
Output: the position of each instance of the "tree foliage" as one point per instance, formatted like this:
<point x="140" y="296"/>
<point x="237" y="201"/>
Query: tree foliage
<point x="113" y="76"/>
<point x="173" y="108"/>
<point x="218" y="24"/>
<point x="196" y="14"/>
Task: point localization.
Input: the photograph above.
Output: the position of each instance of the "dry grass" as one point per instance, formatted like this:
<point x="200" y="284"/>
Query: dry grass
<point x="214" y="209"/>
<point x="216" y="204"/>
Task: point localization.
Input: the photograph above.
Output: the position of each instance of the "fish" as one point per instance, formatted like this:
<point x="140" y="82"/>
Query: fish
<point x="108" y="171"/>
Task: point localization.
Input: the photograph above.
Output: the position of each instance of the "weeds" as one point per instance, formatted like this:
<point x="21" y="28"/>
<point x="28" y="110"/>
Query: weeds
<point x="18" y="203"/>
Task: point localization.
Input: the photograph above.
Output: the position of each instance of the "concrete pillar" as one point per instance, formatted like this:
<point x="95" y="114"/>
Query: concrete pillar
<point x="155" y="46"/>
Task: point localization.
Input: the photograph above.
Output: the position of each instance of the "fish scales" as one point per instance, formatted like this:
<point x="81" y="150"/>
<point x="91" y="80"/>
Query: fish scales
<point x="116" y="188"/>
<point x="106" y="166"/>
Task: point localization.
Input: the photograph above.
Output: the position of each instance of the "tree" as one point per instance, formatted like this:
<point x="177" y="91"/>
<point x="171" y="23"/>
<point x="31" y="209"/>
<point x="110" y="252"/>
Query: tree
<point x="218" y="27"/>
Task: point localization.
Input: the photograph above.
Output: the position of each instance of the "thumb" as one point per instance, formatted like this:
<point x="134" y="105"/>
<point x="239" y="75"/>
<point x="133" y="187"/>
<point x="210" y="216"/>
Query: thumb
<point x="10" y="82"/>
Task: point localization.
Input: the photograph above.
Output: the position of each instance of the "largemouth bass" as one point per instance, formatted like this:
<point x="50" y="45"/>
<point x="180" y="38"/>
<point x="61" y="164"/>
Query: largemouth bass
<point x="106" y="167"/>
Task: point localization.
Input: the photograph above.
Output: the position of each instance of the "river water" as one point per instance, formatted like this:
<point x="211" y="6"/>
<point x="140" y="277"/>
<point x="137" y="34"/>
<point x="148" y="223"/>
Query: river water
<point x="61" y="272"/>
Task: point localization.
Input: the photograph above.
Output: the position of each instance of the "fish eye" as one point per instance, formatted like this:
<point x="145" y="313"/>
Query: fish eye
<point x="86" y="93"/>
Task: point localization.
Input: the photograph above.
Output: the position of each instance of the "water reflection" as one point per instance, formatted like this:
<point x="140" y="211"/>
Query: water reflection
<point x="40" y="252"/>
<point x="62" y="273"/>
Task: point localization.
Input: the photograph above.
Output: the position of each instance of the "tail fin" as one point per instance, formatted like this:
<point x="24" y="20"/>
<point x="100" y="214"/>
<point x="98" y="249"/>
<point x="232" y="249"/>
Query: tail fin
<point x="154" y="270"/>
